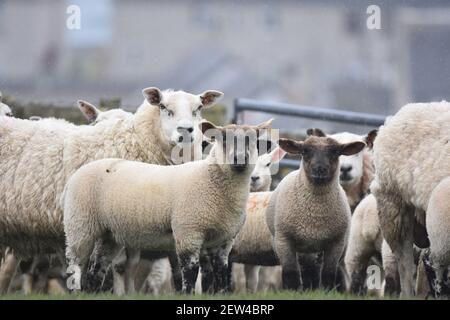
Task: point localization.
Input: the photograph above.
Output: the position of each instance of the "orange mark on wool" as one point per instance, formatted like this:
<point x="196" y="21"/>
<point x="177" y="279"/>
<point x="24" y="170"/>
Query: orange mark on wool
<point x="257" y="202"/>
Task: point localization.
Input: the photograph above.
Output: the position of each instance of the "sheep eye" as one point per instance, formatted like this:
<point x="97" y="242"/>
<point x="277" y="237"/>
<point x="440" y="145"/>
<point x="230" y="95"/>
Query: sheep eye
<point x="162" y="107"/>
<point x="268" y="164"/>
<point x="170" y="113"/>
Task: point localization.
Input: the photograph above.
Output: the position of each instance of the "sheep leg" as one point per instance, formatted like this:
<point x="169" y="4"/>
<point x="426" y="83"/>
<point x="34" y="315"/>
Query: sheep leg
<point x="78" y="250"/>
<point x="357" y="257"/>
<point x="133" y="256"/>
<point x="290" y="273"/>
<point x="220" y="267"/>
<point x="437" y="274"/>
<point x="40" y="274"/>
<point x="189" y="262"/>
<point x="390" y="267"/>
<point x="119" y="266"/>
<point x="27" y="268"/>
<point x="310" y="266"/>
<point x="207" y="273"/>
<point x="251" y="277"/>
<point x="331" y="258"/>
<point x="397" y="224"/>
<point x="176" y="272"/>
<point x="7" y="271"/>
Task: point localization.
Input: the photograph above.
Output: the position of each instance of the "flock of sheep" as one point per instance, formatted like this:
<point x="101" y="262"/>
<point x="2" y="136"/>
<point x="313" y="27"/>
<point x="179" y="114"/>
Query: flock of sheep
<point x="162" y="200"/>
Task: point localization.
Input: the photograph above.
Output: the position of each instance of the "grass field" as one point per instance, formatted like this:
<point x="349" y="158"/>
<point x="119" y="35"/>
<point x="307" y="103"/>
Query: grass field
<point x="284" y="295"/>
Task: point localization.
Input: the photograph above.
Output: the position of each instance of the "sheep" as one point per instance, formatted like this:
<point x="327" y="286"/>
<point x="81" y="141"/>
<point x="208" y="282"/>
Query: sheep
<point x="5" y="110"/>
<point x="356" y="170"/>
<point x="365" y="240"/>
<point x="28" y="273"/>
<point x="437" y="258"/>
<point x="254" y="241"/>
<point x="166" y="212"/>
<point x="411" y="157"/>
<point x="93" y="115"/>
<point x="37" y="160"/>
<point x="308" y="212"/>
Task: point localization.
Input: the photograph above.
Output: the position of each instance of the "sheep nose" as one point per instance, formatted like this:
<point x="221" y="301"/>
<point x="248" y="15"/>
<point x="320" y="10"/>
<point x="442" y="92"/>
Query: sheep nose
<point x="254" y="179"/>
<point x="182" y="129"/>
<point x="347" y="168"/>
<point x="321" y="171"/>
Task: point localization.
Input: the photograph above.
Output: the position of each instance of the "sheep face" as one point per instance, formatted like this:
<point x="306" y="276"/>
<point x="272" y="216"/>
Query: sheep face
<point x="94" y="115"/>
<point x="261" y="175"/>
<point x="235" y="145"/>
<point x="320" y="155"/>
<point x="351" y="167"/>
<point x="180" y="113"/>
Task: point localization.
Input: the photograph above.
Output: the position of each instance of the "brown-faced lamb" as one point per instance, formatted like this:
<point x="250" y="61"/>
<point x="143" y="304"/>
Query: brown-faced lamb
<point x="308" y="211"/>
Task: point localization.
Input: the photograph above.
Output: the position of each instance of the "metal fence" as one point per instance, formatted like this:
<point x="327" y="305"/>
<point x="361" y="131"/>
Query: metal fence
<point x="287" y="109"/>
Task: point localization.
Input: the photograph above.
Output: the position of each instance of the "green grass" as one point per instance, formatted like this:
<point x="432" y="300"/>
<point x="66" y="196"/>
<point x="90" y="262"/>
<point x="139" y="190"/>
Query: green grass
<point x="283" y="295"/>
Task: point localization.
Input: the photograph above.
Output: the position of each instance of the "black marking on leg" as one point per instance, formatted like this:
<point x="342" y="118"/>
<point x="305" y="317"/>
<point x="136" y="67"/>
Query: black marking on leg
<point x="189" y="268"/>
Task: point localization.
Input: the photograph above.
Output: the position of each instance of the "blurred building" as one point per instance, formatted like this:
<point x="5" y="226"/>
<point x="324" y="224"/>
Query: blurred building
<point x="316" y="53"/>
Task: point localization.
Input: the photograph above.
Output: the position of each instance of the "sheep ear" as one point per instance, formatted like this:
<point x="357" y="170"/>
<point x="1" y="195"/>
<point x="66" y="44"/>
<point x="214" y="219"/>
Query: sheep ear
<point x="153" y="95"/>
<point x="291" y="146"/>
<point x="277" y="154"/>
<point x="315" y="132"/>
<point x="89" y="111"/>
<point x="263" y="127"/>
<point x="370" y="138"/>
<point x="209" y="130"/>
<point x="348" y="149"/>
<point x="210" y="97"/>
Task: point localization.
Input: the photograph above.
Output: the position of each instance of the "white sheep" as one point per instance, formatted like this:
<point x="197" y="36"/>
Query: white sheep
<point x="37" y="160"/>
<point x="167" y="213"/>
<point x="364" y="242"/>
<point x="411" y="157"/>
<point x="308" y="212"/>
<point x="94" y="115"/>
<point x="5" y="110"/>
<point x="356" y="170"/>
<point x="254" y="241"/>
<point x="10" y="263"/>
<point x="437" y="259"/>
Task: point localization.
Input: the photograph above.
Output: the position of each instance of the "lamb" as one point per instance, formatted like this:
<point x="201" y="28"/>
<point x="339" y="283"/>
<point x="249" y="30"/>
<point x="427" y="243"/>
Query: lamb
<point x="411" y="157"/>
<point x="365" y="240"/>
<point x="38" y="159"/>
<point x="355" y="178"/>
<point x="308" y="211"/>
<point x="356" y="170"/>
<point x="254" y="242"/>
<point x="5" y="110"/>
<point x="437" y="258"/>
<point x="185" y="223"/>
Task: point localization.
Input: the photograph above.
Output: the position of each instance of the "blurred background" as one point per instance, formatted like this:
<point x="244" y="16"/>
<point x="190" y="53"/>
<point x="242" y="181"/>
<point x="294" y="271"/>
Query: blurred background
<point x="316" y="53"/>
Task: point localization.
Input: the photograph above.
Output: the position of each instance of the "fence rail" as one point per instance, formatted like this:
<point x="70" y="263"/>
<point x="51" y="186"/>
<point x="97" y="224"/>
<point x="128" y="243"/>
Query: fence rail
<point x="324" y="114"/>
